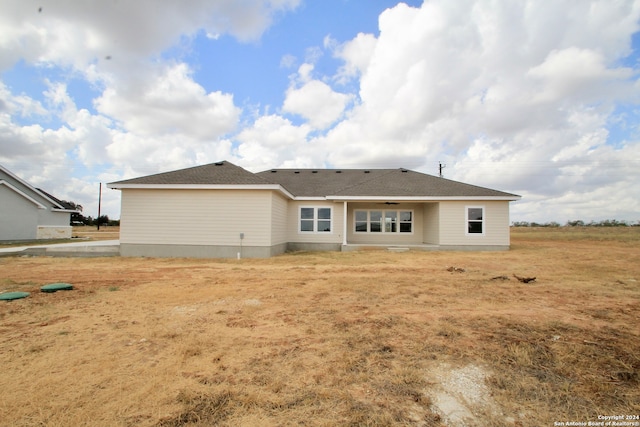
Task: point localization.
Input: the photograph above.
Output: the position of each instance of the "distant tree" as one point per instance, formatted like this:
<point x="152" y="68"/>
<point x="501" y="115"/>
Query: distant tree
<point x="102" y="220"/>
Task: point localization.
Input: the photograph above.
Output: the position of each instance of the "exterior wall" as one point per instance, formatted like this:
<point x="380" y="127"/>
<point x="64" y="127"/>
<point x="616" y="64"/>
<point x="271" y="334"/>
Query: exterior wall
<point x="208" y="223"/>
<point x="199" y="251"/>
<point x="50" y="218"/>
<point x="293" y="223"/>
<point x="414" y="238"/>
<point x="23" y="219"/>
<point x="54" y="232"/>
<point x="431" y="234"/>
<point x="279" y="216"/>
<point x="196" y="217"/>
<point x="18" y="216"/>
<point x="453" y="225"/>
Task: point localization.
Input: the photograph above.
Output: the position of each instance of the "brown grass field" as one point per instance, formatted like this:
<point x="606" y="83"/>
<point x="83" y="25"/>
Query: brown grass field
<point x="369" y="338"/>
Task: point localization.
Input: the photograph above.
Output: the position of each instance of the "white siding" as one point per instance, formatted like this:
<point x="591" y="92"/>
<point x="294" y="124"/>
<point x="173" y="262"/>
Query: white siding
<point x="414" y="238"/>
<point x="196" y="217"/>
<point x="293" y="222"/>
<point x="431" y="223"/>
<point x="279" y="219"/>
<point x="453" y="224"/>
<point x="18" y="216"/>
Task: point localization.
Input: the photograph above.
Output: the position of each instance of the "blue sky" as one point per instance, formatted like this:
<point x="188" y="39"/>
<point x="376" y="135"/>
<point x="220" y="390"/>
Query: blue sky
<point x="530" y="97"/>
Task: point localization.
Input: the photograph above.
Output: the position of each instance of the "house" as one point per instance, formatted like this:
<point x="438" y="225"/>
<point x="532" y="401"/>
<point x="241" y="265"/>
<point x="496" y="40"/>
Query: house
<point x="28" y="213"/>
<point x="222" y="210"/>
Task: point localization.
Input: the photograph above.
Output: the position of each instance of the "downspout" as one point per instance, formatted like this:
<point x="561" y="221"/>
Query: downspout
<point x="344" y="225"/>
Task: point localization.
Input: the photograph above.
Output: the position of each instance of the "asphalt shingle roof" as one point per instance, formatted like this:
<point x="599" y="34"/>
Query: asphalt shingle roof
<point x="323" y="182"/>
<point x="373" y="182"/>
<point x="220" y="173"/>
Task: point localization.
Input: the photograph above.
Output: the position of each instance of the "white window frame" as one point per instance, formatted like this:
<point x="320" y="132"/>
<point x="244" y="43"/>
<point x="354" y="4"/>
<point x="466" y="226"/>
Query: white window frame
<point x="482" y="221"/>
<point x="382" y="221"/>
<point x="315" y="220"/>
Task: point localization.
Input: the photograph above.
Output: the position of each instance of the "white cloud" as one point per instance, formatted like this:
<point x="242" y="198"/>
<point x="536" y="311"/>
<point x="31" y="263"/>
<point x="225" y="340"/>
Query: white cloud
<point x="272" y="141"/>
<point x="316" y="102"/>
<point x="519" y="96"/>
<point x="514" y="96"/>
<point x="578" y="73"/>
<point x="356" y="55"/>
<point x="288" y="61"/>
<point x="170" y="102"/>
<point x="77" y="33"/>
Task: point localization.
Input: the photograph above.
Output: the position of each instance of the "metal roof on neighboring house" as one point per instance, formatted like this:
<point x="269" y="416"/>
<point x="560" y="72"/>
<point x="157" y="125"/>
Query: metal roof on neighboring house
<point x="331" y="183"/>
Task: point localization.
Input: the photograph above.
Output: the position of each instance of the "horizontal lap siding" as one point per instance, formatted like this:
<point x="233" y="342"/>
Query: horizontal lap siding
<point x="196" y="217"/>
<point x="431" y="232"/>
<point x="293" y="223"/>
<point x="279" y="219"/>
<point x="453" y="224"/>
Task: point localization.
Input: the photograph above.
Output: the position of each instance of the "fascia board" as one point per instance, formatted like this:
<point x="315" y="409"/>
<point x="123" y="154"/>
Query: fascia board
<point x="422" y="198"/>
<point x="317" y="198"/>
<point x="23" y="194"/>
<point x="64" y="210"/>
<point x="276" y="187"/>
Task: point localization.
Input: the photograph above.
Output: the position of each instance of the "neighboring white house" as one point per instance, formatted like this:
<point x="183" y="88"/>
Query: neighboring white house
<point x="27" y="213"/>
<point x="222" y="210"/>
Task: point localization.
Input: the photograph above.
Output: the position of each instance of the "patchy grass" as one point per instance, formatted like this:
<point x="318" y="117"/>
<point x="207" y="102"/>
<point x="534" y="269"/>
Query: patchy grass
<point x="325" y="339"/>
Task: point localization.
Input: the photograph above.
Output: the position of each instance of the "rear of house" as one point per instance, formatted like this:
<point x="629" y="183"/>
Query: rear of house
<point x="222" y="210"/>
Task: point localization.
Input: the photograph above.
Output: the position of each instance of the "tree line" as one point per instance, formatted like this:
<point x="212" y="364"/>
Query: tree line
<point x="578" y="223"/>
<point x="78" y="219"/>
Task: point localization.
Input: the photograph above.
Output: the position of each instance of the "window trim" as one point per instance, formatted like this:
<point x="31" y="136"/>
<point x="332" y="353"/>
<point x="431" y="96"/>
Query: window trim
<point x="383" y="222"/>
<point x="482" y="221"/>
<point x="315" y="220"/>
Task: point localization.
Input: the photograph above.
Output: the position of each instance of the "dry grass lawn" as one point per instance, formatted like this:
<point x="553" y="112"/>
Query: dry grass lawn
<point x="322" y="339"/>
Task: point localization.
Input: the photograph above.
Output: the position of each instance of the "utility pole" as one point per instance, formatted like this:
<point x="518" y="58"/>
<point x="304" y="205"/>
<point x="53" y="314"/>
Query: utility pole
<point x="440" y="168"/>
<point x="99" y="203"/>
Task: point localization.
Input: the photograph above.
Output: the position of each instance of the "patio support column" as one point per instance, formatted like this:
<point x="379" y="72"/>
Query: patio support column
<point x="344" y="225"/>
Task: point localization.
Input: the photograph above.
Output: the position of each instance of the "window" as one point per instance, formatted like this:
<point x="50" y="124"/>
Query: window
<point x="475" y="220"/>
<point x="315" y="220"/>
<point x="406" y="218"/>
<point x="383" y="221"/>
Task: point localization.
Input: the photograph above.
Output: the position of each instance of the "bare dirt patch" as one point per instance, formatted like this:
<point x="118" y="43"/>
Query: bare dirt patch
<point x="370" y="338"/>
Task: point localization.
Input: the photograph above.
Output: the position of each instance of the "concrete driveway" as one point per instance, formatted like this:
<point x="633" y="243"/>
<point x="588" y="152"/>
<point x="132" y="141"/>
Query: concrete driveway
<point x="96" y="248"/>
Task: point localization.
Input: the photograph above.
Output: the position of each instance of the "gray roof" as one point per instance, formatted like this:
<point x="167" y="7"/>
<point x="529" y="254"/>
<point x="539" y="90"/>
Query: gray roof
<point x="392" y="183"/>
<point x="374" y="183"/>
<point x="219" y="173"/>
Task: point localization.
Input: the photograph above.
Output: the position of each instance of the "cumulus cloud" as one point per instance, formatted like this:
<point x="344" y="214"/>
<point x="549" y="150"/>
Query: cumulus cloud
<point x="356" y="55"/>
<point x="513" y="96"/>
<point x="76" y="33"/>
<point x="170" y="102"/>
<point x="520" y="96"/>
<point x="315" y="100"/>
<point x="272" y="141"/>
